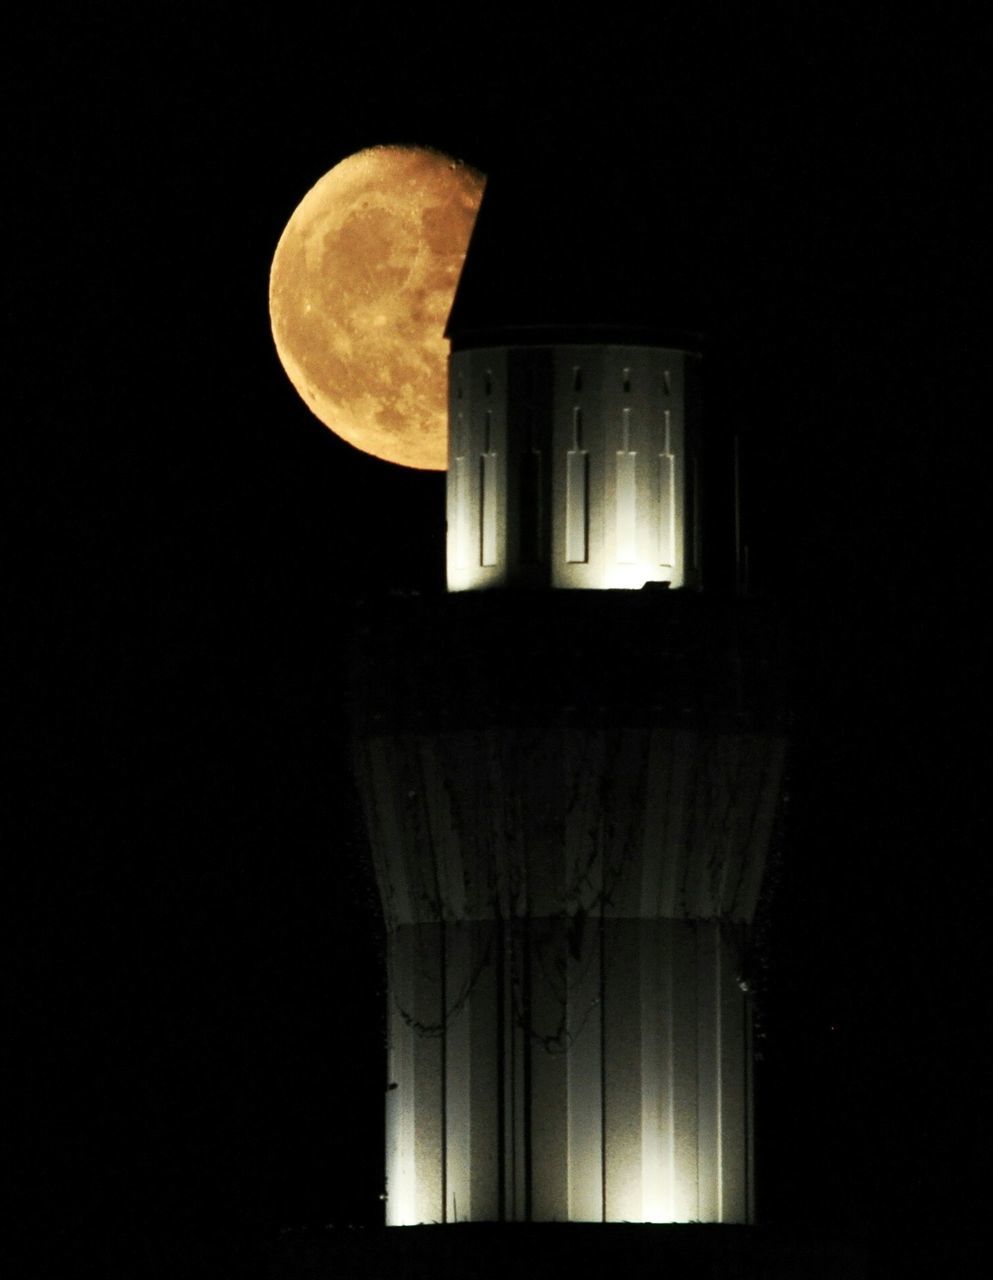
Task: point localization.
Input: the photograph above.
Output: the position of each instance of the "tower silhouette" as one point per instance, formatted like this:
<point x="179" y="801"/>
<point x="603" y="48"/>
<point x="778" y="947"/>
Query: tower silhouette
<point x="570" y="766"/>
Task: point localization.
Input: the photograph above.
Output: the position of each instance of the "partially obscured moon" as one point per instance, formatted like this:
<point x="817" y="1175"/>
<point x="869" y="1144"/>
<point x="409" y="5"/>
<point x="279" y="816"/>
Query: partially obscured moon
<point x="360" y="289"/>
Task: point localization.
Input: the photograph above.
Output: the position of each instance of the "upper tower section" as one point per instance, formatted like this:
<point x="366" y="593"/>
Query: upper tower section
<point x="575" y="451"/>
<point x="573" y="463"/>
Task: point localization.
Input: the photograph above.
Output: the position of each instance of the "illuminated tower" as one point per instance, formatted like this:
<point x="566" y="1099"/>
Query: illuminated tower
<point x="570" y="766"/>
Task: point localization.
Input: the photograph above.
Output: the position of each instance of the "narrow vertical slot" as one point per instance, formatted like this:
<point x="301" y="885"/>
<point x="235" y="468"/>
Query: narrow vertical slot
<point x="443" y="1072"/>
<point x="626" y="496"/>
<point x="527" y="1083"/>
<point x="603" y="1066"/>
<point x="488" y="497"/>
<point x="501" y="1069"/>
<point x="459" y="480"/>
<point x="667" y="497"/>
<point x="577" y="496"/>
<point x="460" y="514"/>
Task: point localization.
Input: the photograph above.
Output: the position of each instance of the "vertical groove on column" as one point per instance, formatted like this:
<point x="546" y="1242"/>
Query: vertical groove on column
<point x="747" y="1030"/>
<point x="708" y="1073"/>
<point x="501" y="1067"/>
<point x="603" y="1069"/>
<point x="443" y="1051"/>
<point x="671" y="1041"/>
<point x="720" y="1068"/>
<point x="527" y="1035"/>
<point x="585" y="1102"/>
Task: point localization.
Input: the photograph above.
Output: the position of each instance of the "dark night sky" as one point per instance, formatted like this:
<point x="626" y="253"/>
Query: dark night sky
<point x="195" y="990"/>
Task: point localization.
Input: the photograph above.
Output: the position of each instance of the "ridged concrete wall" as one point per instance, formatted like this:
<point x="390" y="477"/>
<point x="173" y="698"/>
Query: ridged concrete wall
<point x="566" y="911"/>
<point x="544" y="1073"/>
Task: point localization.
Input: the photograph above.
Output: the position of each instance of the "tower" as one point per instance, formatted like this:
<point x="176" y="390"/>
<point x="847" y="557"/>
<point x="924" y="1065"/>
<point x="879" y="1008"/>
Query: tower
<point x="569" y="768"/>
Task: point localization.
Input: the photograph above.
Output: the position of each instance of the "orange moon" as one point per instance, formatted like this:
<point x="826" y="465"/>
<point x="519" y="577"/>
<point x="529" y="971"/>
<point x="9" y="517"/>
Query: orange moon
<point x="361" y="285"/>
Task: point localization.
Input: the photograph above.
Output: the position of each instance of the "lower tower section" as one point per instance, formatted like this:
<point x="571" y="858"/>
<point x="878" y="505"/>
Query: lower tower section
<point x="545" y="1072"/>
<point x="569" y="797"/>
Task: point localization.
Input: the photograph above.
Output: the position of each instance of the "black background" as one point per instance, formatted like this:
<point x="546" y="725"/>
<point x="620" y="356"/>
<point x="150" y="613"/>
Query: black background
<point x="196" y="997"/>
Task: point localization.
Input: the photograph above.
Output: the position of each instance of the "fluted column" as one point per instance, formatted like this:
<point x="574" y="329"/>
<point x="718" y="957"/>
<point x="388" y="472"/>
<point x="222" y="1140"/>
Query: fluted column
<point x="567" y="892"/>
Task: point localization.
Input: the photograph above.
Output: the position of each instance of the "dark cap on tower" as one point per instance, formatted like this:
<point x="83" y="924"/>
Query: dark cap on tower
<point x="562" y="249"/>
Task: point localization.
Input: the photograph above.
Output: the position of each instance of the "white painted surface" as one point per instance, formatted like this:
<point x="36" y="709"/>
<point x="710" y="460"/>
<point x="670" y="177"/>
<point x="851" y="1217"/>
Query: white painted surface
<point x="619" y="1070"/>
<point x="571" y="466"/>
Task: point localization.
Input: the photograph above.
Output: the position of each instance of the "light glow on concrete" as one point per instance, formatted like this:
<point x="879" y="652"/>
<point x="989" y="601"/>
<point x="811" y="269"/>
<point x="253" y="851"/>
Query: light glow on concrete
<point x="603" y="1127"/>
<point x="572" y="466"/>
<point x="567" y="1033"/>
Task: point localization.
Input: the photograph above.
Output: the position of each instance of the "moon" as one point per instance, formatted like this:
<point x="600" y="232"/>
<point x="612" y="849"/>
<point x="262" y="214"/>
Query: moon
<point x="361" y="285"/>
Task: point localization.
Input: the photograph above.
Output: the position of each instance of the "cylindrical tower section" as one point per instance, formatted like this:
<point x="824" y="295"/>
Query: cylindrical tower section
<point x="573" y="464"/>
<point x="569" y="796"/>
